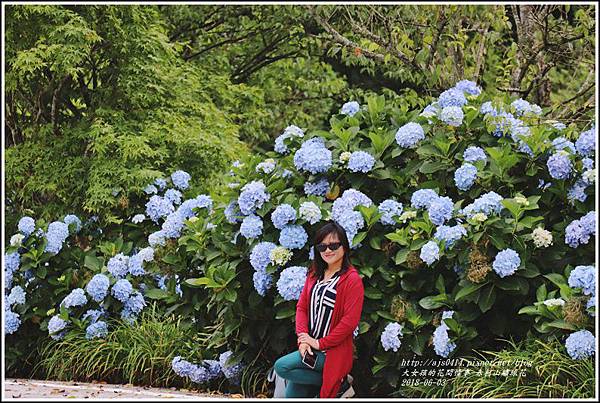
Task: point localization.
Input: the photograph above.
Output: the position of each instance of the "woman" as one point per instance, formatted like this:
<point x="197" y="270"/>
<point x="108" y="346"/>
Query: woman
<point x="327" y="314"/>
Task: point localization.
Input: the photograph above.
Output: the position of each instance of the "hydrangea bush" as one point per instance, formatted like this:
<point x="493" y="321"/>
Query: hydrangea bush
<point x="467" y="220"/>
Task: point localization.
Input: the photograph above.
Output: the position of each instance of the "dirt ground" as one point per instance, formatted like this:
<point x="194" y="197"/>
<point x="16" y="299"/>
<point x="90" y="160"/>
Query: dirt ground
<point x="36" y="389"/>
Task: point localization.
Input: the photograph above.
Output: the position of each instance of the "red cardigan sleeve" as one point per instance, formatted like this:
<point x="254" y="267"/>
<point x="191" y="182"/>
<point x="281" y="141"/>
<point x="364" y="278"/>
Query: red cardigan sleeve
<point x="352" y="311"/>
<point x="302" y="309"/>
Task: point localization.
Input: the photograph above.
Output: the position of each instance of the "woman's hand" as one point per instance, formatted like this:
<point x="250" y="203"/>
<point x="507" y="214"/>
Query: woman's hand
<point x="305" y="338"/>
<point x="303" y="347"/>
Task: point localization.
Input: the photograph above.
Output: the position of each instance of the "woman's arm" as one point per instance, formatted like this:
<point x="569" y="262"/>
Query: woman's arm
<point x="302" y="310"/>
<point x="352" y="312"/>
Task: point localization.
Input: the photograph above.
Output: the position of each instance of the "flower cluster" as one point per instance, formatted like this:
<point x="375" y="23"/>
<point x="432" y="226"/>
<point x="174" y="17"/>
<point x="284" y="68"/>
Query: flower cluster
<point x="291" y="281"/>
<point x="409" y="135"/>
<point x="56" y="327"/>
<point x="16" y="296"/>
<point x="465" y="176"/>
<point x="118" y="265"/>
<point x="181" y="179"/>
<point x="487" y="203"/>
<point x="57" y="233"/>
<point x="289" y="132"/>
<point x="441" y="341"/>
<point x="583" y="277"/>
<point x="343" y="212"/>
<point x="75" y="298"/>
<point x="158" y="207"/>
<point x="310" y="212"/>
<point x="422" y="198"/>
<point x="318" y="188"/>
<point x="313" y="156"/>
<point x="474" y="153"/>
<point x="97" y="329"/>
<point x="252" y="197"/>
<point x="283" y="215"/>
<point x="440" y="210"/>
<point x="390" y="337"/>
<point x="262" y="281"/>
<point x="293" y="237"/>
<point x="251" y="227"/>
<point x="559" y="165"/>
<point x="430" y="252"/>
<point x="196" y="373"/>
<point x="121" y="290"/>
<point x="579" y="231"/>
<point x="267" y="166"/>
<point x="26" y="225"/>
<point x="452" y="116"/>
<point x="232" y="372"/>
<point x="452" y="97"/>
<point x="561" y="143"/>
<point x="73" y="219"/>
<point x="11" y="265"/>
<point x="450" y="235"/>
<point x="350" y="108"/>
<point x="361" y="161"/>
<point x="586" y="143"/>
<point x="541" y="238"/>
<point x="506" y="262"/>
<point x="390" y="209"/>
<point x="522" y="107"/>
<point x="581" y="344"/>
<point x="260" y="255"/>
<point x="280" y="256"/>
<point x="232" y="212"/>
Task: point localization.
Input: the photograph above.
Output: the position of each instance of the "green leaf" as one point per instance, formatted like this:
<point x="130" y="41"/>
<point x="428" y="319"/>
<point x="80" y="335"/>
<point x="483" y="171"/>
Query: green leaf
<point x="373" y="293"/>
<point x="486" y="298"/>
<point x="433" y="301"/>
<point x="528" y="310"/>
<point x="286" y="312"/>
<point x="431" y="167"/>
<point x="93" y="262"/>
<point x="156" y="293"/>
<point x="386" y="315"/>
<point x="469" y="289"/>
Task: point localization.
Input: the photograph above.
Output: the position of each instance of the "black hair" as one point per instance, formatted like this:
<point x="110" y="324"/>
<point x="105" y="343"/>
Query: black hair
<point x="318" y="265"/>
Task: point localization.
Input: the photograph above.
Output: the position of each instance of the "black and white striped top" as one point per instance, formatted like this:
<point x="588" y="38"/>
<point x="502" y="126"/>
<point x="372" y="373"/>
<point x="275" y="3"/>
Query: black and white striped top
<point x="322" y="300"/>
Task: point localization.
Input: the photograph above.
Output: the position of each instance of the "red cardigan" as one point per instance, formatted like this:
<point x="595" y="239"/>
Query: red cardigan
<point x="346" y="316"/>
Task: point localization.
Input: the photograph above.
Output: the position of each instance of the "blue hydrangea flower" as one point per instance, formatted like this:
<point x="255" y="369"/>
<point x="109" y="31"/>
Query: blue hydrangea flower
<point x="262" y="281"/>
<point x="11" y="264"/>
<point x="352" y="221"/>
<point x="588" y="222"/>
<point x="291" y="281"/>
<point x="583" y="277"/>
<point x="586" y="143"/>
<point x="118" y="265"/>
<point x="579" y="231"/>
<point x="180" y="179"/>
<point x="121" y="290"/>
<point x="135" y="303"/>
<point x="350" y="108"/>
<point x="350" y="199"/>
<point x="587" y="163"/>
<point x="561" y="143"/>
<point x="231" y="372"/>
<point x="474" y="153"/>
<point x="280" y="146"/>
<point x="430" y="111"/>
<point x="12" y="321"/>
<point x="441" y="341"/>
<point x="450" y="234"/>
<point x="430" y="252"/>
<point x="251" y="227"/>
<point x="507" y="261"/>
<point x="559" y="125"/>
<point x="213" y="367"/>
<point x="310" y="212"/>
<point x="283" y="215"/>
<point x="97" y="288"/>
<point x="161" y="183"/>
<point x="465" y="176"/>
<point x="361" y="161"/>
<point x="267" y="166"/>
<point x="293" y="237"/>
<point x="173" y="196"/>
<point x="577" y="191"/>
<point x="259" y="257"/>
<point x="313" y="156"/>
<point x="138" y="218"/>
<point x="150" y="189"/>
<point x="390" y="209"/>
<point x="173" y="225"/>
<point x="440" y="210"/>
<point x="452" y="115"/>
<point x="452" y="97"/>
<point x="75" y="298"/>
<point x="559" y="165"/>
<point x="390" y="337"/>
<point x="252" y="197"/>
<point x="523" y="107"/>
<point x="73" y="219"/>
<point x="97" y="329"/>
<point x="26" y="225"/>
<point x="156" y="239"/>
<point x="311" y="253"/>
<point x="135" y="265"/>
<point x="423" y="198"/>
<point x="487" y="203"/>
<point x="318" y="188"/>
<point x="469" y="87"/>
<point x="55" y="327"/>
<point x="232" y="212"/>
<point x="16" y="296"/>
<point x="57" y="233"/>
<point x="182" y="367"/>
<point x="158" y="207"/>
<point x="409" y="135"/>
<point x="293" y="131"/>
<point x="581" y="344"/>
<point x="487" y="108"/>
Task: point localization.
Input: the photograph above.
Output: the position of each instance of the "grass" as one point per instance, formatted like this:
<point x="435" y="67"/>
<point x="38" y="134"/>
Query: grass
<point x="553" y="374"/>
<point x="139" y="354"/>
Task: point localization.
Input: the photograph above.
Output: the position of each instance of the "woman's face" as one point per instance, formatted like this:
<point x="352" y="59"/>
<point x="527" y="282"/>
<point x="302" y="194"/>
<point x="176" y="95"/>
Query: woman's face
<point x="332" y="257"/>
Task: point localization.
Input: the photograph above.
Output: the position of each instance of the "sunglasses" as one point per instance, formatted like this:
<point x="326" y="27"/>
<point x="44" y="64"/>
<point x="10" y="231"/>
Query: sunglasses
<point x="322" y="247"/>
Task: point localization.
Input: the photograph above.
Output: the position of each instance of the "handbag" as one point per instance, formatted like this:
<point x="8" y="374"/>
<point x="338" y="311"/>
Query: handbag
<point x="280" y="383"/>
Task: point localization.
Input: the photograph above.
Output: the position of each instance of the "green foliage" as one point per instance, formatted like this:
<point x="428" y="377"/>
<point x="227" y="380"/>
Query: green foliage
<point x="549" y="373"/>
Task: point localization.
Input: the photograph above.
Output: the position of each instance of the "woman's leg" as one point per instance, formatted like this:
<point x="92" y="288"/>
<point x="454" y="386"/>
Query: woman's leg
<point x="302" y="381"/>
